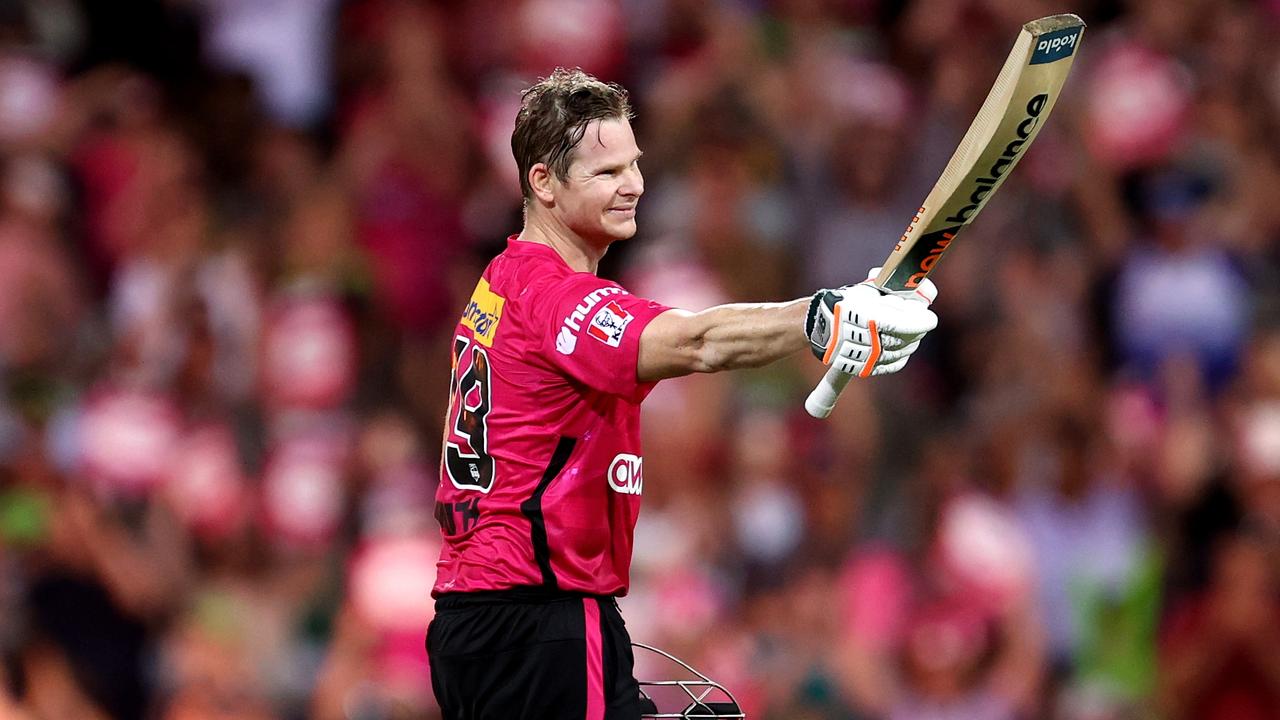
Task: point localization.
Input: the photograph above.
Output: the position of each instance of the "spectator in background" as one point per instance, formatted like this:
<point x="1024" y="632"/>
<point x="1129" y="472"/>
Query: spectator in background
<point x="1098" y="571"/>
<point x="1218" y="650"/>
<point x="406" y="159"/>
<point x="949" y="657"/>
<point x="954" y="631"/>
<point x="1179" y="295"/>
<point x="865" y="182"/>
<point x="284" y="45"/>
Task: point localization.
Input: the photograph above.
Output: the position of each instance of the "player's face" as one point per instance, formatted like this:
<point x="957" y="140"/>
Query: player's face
<point x="598" y="199"/>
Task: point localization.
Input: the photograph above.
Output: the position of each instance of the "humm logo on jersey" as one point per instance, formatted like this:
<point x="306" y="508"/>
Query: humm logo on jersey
<point x="483" y="313"/>
<point x="626" y="474"/>
<point x="1055" y="45"/>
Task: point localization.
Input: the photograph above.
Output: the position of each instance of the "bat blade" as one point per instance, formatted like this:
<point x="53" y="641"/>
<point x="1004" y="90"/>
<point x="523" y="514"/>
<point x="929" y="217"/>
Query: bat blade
<point x="1020" y="100"/>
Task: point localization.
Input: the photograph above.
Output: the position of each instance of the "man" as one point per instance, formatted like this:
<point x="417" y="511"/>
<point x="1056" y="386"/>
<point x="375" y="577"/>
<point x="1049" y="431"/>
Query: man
<point x="541" y="472"/>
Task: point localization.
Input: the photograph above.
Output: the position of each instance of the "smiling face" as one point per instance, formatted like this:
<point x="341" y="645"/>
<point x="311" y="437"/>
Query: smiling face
<point x="597" y="198"/>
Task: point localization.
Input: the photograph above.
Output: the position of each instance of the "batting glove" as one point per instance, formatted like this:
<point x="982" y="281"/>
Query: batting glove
<point x="865" y="331"/>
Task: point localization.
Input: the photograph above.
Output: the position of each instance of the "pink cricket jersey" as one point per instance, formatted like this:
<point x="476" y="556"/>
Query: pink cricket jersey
<point x="540" y="478"/>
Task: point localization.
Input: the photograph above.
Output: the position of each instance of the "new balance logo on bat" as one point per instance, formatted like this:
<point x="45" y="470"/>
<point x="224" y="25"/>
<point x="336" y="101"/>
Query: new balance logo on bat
<point x="988" y="182"/>
<point x="937" y="242"/>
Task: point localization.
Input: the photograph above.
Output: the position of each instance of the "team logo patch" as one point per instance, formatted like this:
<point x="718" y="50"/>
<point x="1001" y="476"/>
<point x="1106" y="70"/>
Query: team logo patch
<point x="610" y="323"/>
<point x="567" y="340"/>
<point x="483" y="313"/>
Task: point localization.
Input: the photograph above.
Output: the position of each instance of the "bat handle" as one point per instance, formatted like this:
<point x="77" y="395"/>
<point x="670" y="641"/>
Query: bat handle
<point x="824" y="396"/>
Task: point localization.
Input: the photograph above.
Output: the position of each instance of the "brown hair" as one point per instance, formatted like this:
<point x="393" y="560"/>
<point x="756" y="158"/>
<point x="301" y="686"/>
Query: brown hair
<point x="553" y="117"/>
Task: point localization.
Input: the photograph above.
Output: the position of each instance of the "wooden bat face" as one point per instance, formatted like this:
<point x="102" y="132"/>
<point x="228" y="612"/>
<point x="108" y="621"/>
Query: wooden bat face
<point x="1010" y="118"/>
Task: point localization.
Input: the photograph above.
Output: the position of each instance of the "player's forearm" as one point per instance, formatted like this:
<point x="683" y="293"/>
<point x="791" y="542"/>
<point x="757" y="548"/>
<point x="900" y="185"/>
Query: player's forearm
<point x="726" y="337"/>
<point x="732" y="337"/>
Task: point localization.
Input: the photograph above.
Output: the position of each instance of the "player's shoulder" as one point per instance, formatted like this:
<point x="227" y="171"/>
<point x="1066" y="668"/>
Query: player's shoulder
<point x="535" y="276"/>
<point x="524" y="267"/>
<point x="525" y="284"/>
<point x="502" y="292"/>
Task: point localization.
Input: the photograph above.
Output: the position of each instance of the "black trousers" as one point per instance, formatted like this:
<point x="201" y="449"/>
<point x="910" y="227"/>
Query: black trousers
<point x="529" y="654"/>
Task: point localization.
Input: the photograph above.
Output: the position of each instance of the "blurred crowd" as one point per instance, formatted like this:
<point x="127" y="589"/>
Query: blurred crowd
<point x="236" y="234"/>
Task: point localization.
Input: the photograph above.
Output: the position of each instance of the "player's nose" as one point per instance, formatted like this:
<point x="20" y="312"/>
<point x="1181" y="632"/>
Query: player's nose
<point x="633" y="183"/>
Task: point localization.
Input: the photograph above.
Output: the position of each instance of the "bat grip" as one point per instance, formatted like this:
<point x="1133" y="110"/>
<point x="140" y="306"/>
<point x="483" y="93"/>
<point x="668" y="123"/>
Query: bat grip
<point x="824" y="396"/>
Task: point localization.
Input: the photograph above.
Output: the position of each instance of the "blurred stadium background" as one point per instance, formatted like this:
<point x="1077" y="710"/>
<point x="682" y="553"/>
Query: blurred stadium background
<point x="235" y="234"/>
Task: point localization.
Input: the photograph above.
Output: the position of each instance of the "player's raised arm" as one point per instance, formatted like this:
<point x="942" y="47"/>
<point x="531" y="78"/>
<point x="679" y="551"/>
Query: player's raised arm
<point x="859" y="329"/>
<point x="726" y="337"/>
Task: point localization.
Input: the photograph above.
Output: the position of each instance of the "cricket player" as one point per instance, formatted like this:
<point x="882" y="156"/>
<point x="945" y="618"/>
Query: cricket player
<point x="541" y="475"/>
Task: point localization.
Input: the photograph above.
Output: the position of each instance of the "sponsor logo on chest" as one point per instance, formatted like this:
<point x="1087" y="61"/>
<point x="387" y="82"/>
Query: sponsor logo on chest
<point x="626" y="474"/>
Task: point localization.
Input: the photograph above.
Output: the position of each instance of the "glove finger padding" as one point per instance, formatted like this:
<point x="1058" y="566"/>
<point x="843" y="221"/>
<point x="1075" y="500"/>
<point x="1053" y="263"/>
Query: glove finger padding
<point x="854" y="358"/>
<point x="888" y="357"/>
<point x="903" y="318"/>
<point x="894" y="342"/>
<point x="863" y="370"/>
<point x="864" y="331"/>
<point x="889" y="368"/>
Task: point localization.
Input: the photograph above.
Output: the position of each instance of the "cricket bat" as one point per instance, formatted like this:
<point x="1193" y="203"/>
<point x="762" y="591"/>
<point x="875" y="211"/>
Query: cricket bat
<point x="1024" y="93"/>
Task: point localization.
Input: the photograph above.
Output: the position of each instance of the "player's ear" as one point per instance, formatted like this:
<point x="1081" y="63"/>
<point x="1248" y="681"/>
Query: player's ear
<point x="542" y="181"/>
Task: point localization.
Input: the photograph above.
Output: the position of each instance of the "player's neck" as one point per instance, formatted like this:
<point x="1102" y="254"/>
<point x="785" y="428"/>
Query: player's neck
<point x="576" y="252"/>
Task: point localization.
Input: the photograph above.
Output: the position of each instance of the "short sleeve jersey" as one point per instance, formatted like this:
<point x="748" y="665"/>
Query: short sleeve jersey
<point x="541" y="470"/>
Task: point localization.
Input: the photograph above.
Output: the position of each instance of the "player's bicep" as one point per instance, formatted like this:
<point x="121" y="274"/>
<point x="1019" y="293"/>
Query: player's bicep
<point x="669" y="347"/>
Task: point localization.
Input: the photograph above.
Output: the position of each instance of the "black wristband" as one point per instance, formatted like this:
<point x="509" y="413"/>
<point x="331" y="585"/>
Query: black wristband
<point x="818" y="321"/>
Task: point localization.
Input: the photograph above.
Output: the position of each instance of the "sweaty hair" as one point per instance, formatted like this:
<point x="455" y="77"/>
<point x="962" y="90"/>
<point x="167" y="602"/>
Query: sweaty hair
<point x="553" y="117"/>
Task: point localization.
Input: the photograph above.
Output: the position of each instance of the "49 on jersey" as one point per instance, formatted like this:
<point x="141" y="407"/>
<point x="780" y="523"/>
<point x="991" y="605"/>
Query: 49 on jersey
<point x="466" y="459"/>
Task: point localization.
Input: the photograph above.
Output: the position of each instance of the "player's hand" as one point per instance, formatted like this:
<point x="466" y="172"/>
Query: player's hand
<point x="863" y="330"/>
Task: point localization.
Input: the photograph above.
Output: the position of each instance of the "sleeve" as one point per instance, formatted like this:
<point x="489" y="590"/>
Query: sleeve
<point x="592" y="332"/>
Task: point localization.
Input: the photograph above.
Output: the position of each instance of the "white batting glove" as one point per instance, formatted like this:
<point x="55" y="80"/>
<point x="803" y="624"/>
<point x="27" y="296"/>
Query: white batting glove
<point x="865" y="331"/>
